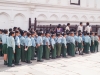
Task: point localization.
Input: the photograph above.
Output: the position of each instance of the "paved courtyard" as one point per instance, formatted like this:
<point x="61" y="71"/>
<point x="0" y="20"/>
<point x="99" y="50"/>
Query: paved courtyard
<point x="79" y="65"/>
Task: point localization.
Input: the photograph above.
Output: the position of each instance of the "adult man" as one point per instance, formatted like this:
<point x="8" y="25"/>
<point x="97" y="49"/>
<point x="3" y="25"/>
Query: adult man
<point x="80" y="27"/>
<point x="88" y="28"/>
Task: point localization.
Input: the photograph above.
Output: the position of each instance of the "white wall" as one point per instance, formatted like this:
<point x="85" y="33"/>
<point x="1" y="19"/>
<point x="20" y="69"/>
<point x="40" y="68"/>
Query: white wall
<point x="17" y="12"/>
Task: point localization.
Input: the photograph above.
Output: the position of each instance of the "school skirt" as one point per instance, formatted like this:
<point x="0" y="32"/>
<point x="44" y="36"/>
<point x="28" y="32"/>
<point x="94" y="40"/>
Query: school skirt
<point x="4" y="48"/>
<point x="80" y="46"/>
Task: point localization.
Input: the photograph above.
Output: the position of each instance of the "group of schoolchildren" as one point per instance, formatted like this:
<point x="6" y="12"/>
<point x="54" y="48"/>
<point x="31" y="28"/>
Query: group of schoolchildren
<point x="26" y="46"/>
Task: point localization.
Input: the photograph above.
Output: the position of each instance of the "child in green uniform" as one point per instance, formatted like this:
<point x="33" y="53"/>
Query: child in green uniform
<point x="53" y="46"/>
<point x="39" y="45"/>
<point x="22" y="42"/>
<point x="96" y="39"/>
<point x="33" y="45"/>
<point x="64" y="45"/>
<point x="17" y="48"/>
<point x="4" y="44"/>
<point x="76" y="43"/>
<point x="72" y="44"/>
<point x="80" y="44"/>
<point x="11" y="49"/>
<point x="58" y="45"/>
<point x="68" y="42"/>
<point x="92" y="47"/>
<point x="47" y="46"/>
<point x="87" y="43"/>
<point x="28" y="45"/>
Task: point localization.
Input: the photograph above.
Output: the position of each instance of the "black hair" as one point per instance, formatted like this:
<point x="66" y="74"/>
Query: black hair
<point x="33" y="33"/>
<point x="87" y="23"/>
<point x="39" y="33"/>
<point x="68" y="24"/>
<point x="10" y="29"/>
<point x="87" y="33"/>
<point x="96" y="33"/>
<point x="64" y="34"/>
<point x="28" y="34"/>
<point x="79" y="34"/>
<point x="11" y="33"/>
<point x="81" y="23"/>
<point x="5" y="31"/>
<point x="16" y="31"/>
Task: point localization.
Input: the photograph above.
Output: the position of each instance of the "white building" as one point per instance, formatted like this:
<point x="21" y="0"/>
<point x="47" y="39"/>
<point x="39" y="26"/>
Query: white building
<point x="17" y="12"/>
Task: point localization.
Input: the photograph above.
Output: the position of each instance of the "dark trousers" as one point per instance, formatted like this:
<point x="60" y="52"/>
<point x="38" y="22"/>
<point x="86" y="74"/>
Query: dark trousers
<point x="92" y="47"/>
<point x="17" y="54"/>
<point x="64" y="50"/>
<point x="39" y="52"/>
<point x="28" y="54"/>
<point x="96" y="46"/>
<point x="68" y="48"/>
<point x="10" y="56"/>
<point x="72" y="49"/>
<point x="32" y="52"/>
<point x="22" y="53"/>
<point x="53" y="51"/>
<point x="86" y="47"/>
<point x="47" y="52"/>
<point x="58" y="49"/>
<point x="43" y="51"/>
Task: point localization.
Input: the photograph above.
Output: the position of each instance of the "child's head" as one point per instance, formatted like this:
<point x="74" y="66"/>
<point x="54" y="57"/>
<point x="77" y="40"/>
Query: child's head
<point x="17" y="33"/>
<point x="80" y="34"/>
<point x="71" y="33"/>
<point x="33" y="34"/>
<point x="5" y="31"/>
<point x="64" y="34"/>
<point x="88" y="34"/>
<point x="92" y="33"/>
<point x="47" y="34"/>
<point x="53" y="36"/>
<point x="29" y="34"/>
<point x="96" y="34"/>
<point x="12" y="33"/>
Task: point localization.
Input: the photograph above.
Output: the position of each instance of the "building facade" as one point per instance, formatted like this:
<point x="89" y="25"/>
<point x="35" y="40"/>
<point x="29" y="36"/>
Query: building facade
<point x="17" y="12"/>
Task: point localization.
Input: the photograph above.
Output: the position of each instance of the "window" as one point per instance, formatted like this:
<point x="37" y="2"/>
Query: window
<point x="75" y="2"/>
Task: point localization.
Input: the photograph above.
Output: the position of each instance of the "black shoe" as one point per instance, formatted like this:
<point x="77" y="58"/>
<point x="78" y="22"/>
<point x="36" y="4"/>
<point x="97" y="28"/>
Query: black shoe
<point x="53" y="58"/>
<point x="23" y="61"/>
<point x="5" y="63"/>
<point x="48" y="59"/>
<point x="29" y="62"/>
<point x="17" y="64"/>
<point x="12" y="65"/>
<point x="33" y="59"/>
<point x="65" y="57"/>
<point x="39" y="60"/>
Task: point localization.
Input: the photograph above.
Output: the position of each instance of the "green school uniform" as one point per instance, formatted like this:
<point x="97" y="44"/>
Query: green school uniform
<point x="53" y="48"/>
<point x="58" y="46"/>
<point x="39" y="41"/>
<point x="87" y="43"/>
<point x="28" y="44"/>
<point x="22" y="42"/>
<point x="72" y="46"/>
<point x="17" y="50"/>
<point x="33" y="48"/>
<point x="4" y="43"/>
<point x="64" y="49"/>
<point x="96" y="39"/>
<point x="92" y="47"/>
<point x="11" y="50"/>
